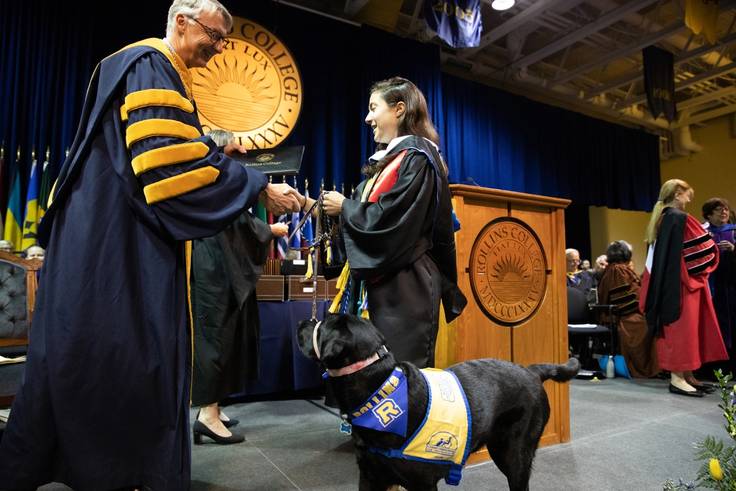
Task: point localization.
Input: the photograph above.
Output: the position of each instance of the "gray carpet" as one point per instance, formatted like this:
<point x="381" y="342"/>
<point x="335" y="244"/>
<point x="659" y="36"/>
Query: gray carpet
<point x="626" y="435"/>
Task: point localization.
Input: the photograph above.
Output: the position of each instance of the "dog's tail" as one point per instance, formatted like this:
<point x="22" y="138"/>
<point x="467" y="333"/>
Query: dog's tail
<point x="558" y="373"/>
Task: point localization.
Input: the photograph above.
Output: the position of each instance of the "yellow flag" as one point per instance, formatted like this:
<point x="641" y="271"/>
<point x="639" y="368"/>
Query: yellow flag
<point x="702" y="16"/>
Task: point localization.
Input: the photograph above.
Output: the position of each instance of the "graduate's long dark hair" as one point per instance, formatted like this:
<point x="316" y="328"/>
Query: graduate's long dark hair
<point x="415" y="120"/>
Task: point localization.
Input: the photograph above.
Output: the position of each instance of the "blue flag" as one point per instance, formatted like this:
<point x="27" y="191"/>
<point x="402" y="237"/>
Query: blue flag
<point x="282" y="246"/>
<point x="456" y="22"/>
<point x="307" y="230"/>
<point x="296" y="240"/>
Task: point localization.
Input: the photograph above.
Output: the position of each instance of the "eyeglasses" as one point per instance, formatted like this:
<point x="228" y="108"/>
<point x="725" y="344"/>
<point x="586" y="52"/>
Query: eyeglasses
<point x="214" y="36"/>
<point x="720" y="209"/>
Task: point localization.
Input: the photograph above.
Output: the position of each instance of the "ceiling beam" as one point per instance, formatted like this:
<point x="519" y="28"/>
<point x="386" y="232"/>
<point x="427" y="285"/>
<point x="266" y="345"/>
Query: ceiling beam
<point x="352" y="7"/>
<point x="710" y="96"/>
<point x="415" y="15"/>
<point x="679" y="58"/>
<point x="601" y="22"/>
<point x="705" y="116"/>
<point x="537" y="92"/>
<point x="515" y="22"/>
<point x="623" y="51"/>
<point x="707" y="75"/>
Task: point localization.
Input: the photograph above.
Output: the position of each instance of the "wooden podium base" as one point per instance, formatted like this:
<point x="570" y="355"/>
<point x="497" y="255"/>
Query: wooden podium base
<point x="511" y="268"/>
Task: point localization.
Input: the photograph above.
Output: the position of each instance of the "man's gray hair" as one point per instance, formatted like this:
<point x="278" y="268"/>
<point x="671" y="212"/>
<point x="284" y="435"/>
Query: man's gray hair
<point x="192" y="8"/>
<point x="221" y="137"/>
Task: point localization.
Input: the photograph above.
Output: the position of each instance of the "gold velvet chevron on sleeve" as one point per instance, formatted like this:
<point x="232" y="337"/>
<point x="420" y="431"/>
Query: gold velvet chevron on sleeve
<point x="169" y="155"/>
<point x="159" y="127"/>
<point x="154" y="97"/>
<point x="180" y="184"/>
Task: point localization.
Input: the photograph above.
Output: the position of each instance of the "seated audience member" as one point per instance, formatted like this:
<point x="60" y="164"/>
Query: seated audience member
<point x="620" y="286"/>
<point x="35" y="252"/>
<point x="722" y="281"/>
<point x="600" y="266"/>
<point x="585" y="265"/>
<point x="6" y="246"/>
<point x="576" y="278"/>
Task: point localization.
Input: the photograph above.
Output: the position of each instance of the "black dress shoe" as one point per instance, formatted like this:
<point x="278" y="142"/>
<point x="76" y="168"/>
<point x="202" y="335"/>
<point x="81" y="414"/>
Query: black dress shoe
<point x="199" y="429"/>
<point x="704" y="387"/>
<point x="230" y="423"/>
<point x="678" y="391"/>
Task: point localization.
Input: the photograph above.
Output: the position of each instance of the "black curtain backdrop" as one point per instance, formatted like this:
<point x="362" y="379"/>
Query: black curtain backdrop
<point x="48" y="51"/>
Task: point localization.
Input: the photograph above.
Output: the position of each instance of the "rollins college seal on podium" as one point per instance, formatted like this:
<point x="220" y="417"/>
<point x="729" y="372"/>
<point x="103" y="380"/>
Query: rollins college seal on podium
<point x="508" y="272"/>
<point x="253" y="88"/>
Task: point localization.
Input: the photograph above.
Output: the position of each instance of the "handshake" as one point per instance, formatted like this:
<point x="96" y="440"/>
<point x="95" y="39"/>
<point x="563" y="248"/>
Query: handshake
<point x="282" y="198"/>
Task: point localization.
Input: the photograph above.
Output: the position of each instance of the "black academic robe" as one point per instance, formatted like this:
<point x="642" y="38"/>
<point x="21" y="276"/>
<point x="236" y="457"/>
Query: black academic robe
<point x="400" y="241"/>
<point x="661" y="300"/>
<point x="105" y="401"/>
<point x="225" y="270"/>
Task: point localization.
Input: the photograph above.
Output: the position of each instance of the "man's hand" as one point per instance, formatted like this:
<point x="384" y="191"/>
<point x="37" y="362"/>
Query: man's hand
<point x="332" y="202"/>
<point x="280" y="198"/>
<point x="233" y="149"/>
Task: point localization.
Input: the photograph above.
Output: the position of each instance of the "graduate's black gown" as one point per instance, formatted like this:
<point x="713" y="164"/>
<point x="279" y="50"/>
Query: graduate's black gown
<point x="225" y="270"/>
<point x="400" y="241"/>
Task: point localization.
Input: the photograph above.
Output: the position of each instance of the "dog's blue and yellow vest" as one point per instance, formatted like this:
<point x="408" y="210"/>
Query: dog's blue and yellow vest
<point x="444" y="435"/>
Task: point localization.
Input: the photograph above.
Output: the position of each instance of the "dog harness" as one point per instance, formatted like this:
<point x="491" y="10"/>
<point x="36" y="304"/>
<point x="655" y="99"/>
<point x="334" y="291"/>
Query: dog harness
<point x="443" y="436"/>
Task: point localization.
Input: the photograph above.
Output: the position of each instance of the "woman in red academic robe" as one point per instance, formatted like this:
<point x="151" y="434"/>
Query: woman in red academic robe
<point x="676" y="299"/>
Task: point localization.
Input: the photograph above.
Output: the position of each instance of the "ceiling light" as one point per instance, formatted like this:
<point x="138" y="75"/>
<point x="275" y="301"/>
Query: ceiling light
<point x="502" y="4"/>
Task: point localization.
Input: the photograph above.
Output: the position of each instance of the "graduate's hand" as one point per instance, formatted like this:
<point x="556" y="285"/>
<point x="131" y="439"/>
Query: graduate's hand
<point x="333" y="203"/>
<point x="279" y="229"/>
<point x="280" y="198"/>
<point x="233" y="149"/>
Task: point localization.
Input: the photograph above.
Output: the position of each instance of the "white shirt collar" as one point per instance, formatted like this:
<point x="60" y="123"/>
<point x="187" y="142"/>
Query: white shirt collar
<point x="382" y="153"/>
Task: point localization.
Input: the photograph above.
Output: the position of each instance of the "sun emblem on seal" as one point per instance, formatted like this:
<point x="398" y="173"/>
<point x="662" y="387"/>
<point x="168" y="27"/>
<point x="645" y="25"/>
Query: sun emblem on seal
<point x="508" y="272"/>
<point x="252" y="88"/>
<point x="233" y="91"/>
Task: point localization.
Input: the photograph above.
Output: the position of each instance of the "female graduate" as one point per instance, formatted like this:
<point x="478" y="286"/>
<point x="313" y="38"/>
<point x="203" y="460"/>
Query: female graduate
<point x="398" y="229"/>
<point x="676" y="299"/>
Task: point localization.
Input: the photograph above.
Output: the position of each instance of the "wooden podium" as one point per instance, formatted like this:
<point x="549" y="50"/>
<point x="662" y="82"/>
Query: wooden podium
<point x="511" y="267"/>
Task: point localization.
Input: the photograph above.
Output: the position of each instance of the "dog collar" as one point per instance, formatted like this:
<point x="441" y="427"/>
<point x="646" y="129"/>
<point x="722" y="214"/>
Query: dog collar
<point x="358" y="365"/>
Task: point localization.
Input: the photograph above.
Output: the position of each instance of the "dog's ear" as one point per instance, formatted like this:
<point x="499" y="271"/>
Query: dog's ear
<point x="304" y="338"/>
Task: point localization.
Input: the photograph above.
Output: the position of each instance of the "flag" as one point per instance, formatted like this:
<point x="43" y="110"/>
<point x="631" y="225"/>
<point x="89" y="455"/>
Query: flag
<point x="45" y="191"/>
<point x="659" y="82"/>
<point x="296" y="240"/>
<point x="307" y="231"/>
<point x="3" y="186"/>
<point x="456" y="22"/>
<point x="261" y="212"/>
<point x="14" y="215"/>
<point x="272" y="246"/>
<point x="282" y="246"/>
<point x="702" y="16"/>
<point x="30" y="223"/>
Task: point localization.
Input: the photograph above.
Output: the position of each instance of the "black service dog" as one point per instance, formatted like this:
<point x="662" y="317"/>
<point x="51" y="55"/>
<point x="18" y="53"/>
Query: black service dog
<point x="508" y="405"/>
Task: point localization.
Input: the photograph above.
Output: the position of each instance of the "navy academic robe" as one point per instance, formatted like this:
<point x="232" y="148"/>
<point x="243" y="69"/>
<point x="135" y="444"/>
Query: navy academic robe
<point x="105" y="403"/>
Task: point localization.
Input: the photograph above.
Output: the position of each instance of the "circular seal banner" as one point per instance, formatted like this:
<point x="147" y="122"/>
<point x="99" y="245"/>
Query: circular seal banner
<point x="508" y="271"/>
<point x="253" y="88"/>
